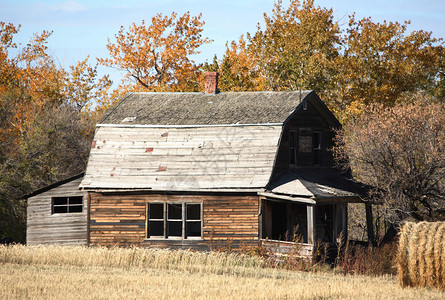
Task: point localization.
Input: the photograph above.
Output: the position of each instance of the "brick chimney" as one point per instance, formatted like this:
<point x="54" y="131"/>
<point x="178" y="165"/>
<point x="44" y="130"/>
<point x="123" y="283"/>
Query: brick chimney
<point x="211" y="83"/>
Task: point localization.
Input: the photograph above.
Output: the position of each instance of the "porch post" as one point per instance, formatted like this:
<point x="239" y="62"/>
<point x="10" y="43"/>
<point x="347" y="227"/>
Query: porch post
<point x="311" y="224"/>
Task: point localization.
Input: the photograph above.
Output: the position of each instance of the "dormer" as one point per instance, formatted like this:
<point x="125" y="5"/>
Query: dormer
<point x="307" y="136"/>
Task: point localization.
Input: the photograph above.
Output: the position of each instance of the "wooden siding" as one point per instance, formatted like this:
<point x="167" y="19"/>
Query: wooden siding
<point x="311" y="119"/>
<point x="283" y="249"/>
<point x="43" y="227"/>
<point x="228" y="220"/>
<point x="182" y="158"/>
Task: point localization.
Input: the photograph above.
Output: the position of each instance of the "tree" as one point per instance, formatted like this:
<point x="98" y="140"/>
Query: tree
<point x="302" y="47"/>
<point x="295" y="49"/>
<point x="158" y="56"/>
<point x="400" y="151"/>
<point x="238" y="70"/>
<point x="382" y="63"/>
<point x="83" y="88"/>
<point x="46" y="122"/>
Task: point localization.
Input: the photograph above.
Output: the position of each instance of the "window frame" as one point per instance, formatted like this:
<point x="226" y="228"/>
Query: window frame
<point x="300" y="142"/>
<point x="293" y="149"/>
<point x="317" y="152"/>
<point x="155" y="220"/>
<point x="68" y="205"/>
<point x="184" y="221"/>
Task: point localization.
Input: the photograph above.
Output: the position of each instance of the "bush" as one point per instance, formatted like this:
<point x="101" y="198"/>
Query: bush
<point x="358" y="258"/>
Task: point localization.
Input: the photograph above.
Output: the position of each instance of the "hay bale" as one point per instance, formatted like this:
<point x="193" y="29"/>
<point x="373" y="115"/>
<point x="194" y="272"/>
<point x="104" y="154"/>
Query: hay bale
<point x="421" y="255"/>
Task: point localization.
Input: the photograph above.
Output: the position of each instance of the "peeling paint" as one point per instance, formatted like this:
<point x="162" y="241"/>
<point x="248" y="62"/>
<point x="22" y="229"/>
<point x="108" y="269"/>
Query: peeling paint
<point x="162" y="168"/>
<point x="93" y="144"/>
<point x="149" y="149"/>
<point x="165" y="134"/>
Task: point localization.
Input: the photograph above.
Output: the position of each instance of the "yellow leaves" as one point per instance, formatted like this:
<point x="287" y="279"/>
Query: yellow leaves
<point x="381" y="63"/>
<point x="157" y="56"/>
<point x="82" y="88"/>
<point x="295" y="46"/>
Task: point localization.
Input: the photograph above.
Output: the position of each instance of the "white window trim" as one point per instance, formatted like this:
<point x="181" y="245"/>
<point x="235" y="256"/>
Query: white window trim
<point x="166" y="220"/>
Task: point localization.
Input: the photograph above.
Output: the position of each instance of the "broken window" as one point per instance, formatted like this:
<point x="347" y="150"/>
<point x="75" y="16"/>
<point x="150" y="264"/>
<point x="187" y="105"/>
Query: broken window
<point x="64" y="205"/>
<point x="174" y="220"/>
<point x="305" y="147"/>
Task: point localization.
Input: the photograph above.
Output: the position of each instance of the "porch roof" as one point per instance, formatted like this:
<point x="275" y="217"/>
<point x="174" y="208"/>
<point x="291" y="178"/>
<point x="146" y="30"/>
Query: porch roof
<point x="319" y="184"/>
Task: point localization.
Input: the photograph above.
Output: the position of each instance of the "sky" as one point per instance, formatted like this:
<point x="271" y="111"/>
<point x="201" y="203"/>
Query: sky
<point x="83" y="27"/>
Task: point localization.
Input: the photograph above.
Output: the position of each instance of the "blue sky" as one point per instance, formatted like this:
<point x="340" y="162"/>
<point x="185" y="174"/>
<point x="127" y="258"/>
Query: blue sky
<point x="82" y="27"/>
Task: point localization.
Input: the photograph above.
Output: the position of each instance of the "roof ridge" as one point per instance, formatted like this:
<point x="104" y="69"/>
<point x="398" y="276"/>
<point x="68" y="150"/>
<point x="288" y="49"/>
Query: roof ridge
<point x="220" y="93"/>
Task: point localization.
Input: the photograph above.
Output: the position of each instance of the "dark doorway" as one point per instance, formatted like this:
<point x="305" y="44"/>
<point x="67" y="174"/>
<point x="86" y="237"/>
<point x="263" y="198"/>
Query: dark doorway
<point x="279" y="221"/>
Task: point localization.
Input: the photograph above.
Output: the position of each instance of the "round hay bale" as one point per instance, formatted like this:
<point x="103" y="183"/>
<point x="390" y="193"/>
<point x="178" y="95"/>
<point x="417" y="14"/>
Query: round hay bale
<point x="402" y="255"/>
<point x="421" y="255"/>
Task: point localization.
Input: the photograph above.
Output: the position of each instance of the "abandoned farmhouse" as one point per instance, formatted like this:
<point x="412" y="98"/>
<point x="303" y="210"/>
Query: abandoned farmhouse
<point x="202" y="170"/>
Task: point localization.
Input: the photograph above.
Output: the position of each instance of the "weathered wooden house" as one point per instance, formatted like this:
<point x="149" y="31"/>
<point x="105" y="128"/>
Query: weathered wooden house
<point x="197" y="170"/>
<point x="203" y="170"/>
<point x="57" y="214"/>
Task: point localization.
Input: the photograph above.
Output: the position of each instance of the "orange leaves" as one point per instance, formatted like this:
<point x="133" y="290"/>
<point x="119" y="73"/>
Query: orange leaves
<point x="294" y="51"/>
<point x="82" y="88"/>
<point x="31" y="83"/>
<point x="157" y="56"/>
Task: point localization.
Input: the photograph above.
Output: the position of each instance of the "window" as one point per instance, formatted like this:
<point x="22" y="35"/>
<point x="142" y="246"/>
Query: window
<point x="293" y="147"/>
<point x="64" y="205"/>
<point x="156" y="219"/>
<point x="316" y="141"/>
<point x="305" y="147"/>
<point x="174" y="220"/>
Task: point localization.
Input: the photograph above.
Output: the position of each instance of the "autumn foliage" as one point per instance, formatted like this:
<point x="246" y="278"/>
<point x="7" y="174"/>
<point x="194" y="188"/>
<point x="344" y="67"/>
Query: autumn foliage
<point x="302" y="47"/>
<point x="158" y="56"/>
<point x="47" y="117"/>
<point x="368" y="73"/>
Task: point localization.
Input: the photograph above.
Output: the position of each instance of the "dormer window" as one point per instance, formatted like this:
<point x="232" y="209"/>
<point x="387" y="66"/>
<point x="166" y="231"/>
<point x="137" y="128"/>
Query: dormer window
<point x="305" y="147"/>
<point x="293" y="148"/>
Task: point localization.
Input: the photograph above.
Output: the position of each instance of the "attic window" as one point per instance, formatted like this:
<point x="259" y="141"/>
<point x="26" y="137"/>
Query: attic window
<point x="316" y="149"/>
<point x="174" y="220"/>
<point x="65" y="205"/>
<point x="293" y="153"/>
<point x="305" y="147"/>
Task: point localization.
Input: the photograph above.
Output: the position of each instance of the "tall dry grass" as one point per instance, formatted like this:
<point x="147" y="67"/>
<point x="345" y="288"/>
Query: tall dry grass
<point x="55" y="272"/>
<point x="184" y="260"/>
<point x="421" y="255"/>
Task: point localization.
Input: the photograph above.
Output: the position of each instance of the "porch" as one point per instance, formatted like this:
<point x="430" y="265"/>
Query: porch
<point x="293" y="227"/>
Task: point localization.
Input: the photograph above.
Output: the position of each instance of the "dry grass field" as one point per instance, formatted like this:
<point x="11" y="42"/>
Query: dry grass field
<point x="56" y="272"/>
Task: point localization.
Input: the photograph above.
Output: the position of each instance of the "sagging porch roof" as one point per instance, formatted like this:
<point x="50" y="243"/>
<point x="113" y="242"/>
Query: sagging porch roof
<point x="315" y="184"/>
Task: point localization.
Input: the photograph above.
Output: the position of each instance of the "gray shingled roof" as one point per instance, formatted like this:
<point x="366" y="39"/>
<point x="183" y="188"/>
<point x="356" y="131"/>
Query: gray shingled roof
<point x="202" y="109"/>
